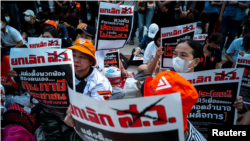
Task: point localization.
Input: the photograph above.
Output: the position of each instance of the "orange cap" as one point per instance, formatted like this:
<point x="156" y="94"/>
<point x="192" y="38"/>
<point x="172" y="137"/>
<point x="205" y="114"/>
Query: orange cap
<point x="84" y="46"/>
<point x="49" y="22"/>
<point x="170" y="82"/>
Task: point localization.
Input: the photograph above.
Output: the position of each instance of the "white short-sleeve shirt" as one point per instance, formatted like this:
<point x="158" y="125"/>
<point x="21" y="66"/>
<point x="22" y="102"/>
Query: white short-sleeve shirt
<point x="100" y="55"/>
<point x="11" y="36"/>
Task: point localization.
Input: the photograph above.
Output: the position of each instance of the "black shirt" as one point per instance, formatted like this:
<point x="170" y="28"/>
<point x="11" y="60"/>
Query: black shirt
<point x="212" y="59"/>
<point x="41" y="16"/>
<point x="32" y="30"/>
<point x="80" y="87"/>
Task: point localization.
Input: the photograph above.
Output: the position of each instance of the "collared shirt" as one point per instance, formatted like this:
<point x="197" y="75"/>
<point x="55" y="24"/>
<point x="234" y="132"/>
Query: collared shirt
<point x="235" y="47"/>
<point x="145" y="41"/>
<point x="95" y="82"/>
<point x="149" y="52"/>
<point x="194" y="135"/>
<point x="211" y="9"/>
<point x="11" y="36"/>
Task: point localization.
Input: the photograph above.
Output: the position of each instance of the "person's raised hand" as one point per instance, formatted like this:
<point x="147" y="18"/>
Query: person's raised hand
<point x="69" y="119"/>
<point x="238" y="104"/>
<point x="159" y="52"/>
<point x="241" y="53"/>
<point x="12" y="73"/>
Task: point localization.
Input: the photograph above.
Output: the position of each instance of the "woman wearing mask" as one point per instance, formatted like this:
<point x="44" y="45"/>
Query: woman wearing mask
<point x="9" y="20"/>
<point x="211" y="49"/>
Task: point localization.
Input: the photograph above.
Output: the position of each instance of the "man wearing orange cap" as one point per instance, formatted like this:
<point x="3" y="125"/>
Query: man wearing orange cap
<point x="170" y="82"/>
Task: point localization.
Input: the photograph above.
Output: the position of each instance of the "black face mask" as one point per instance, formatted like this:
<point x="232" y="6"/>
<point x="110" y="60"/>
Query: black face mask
<point x="211" y="49"/>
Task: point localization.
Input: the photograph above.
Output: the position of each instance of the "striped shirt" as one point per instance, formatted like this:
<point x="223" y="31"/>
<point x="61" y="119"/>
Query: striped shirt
<point x="194" y="135"/>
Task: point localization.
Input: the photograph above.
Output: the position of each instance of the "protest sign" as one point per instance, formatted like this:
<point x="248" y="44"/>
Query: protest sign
<point x="45" y="75"/>
<point x="140" y="119"/>
<point x="200" y="38"/>
<point x="244" y="62"/>
<point x="170" y="37"/>
<point x="44" y="42"/>
<point x="218" y="90"/>
<point x="138" y="56"/>
<point x="114" y="26"/>
<point x="112" y="59"/>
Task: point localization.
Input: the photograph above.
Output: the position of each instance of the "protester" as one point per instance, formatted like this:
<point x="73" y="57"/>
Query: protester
<point x="88" y="32"/>
<point x="231" y="16"/>
<point x="212" y="51"/>
<point x="45" y="14"/>
<point x="10" y="37"/>
<point x="238" y="46"/>
<point x="11" y="7"/>
<point x="246" y="119"/>
<point x="6" y="81"/>
<point x="50" y="32"/>
<point x="186" y="12"/>
<point x="135" y="20"/>
<point x="30" y="28"/>
<point x="10" y="20"/>
<point x="198" y="10"/>
<point x="149" y="53"/>
<point x="153" y="29"/>
<point x="189" y="97"/>
<point x="211" y="13"/>
<point x="2" y="96"/>
<point x="63" y="32"/>
<point x="145" y="15"/>
<point x="69" y="21"/>
<point x="48" y="23"/>
<point x="164" y="9"/>
<point x="58" y="5"/>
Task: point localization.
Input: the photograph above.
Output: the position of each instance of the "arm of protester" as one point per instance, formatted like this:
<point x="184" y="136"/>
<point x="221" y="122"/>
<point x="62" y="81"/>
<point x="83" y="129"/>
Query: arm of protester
<point x="238" y="104"/>
<point x="230" y="58"/>
<point x="222" y="11"/>
<point x="246" y="119"/>
<point x="65" y="1"/>
<point x="65" y="33"/>
<point x="124" y="72"/>
<point x="218" y="66"/>
<point x="143" y="43"/>
<point x="242" y="53"/>
<point x="69" y="119"/>
<point x="192" y="6"/>
<point x="12" y="73"/>
<point x="7" y="86"/>
<point x="137" y="51"/>
<point x="24" y="35"/>
<point x="19" y="44"/>
<point x="58" y="3"/>
<point x="153" y="63"/>
<point x="216" y="3"/>
<point x="239" y="4"/>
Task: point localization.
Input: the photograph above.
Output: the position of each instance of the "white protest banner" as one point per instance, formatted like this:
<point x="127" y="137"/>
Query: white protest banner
<point x="170" y="37"/>
<point x="218" y="90"/>
<point x="112" y="59"/>
<point x="45" y="75"/>
<point x="34" y="42"/>
<point x="156" y="118"/>
<point x="244" y="62"/>
<point x="114" y="26"/>
<point x="200" y="38"/>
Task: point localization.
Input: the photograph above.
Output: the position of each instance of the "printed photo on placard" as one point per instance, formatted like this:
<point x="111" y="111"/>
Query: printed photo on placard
<point x="200" y="38"/>
<point x="218" y="90"/>
<point x="114" y="26"/>
<point x="138" y="119"/>
<point x="170" y="37"/>
<point x="46" y="75"/>
<point x="139" y="56"/>
<point x="55" y="43"/>
<point x="112" y="59"/>
<point x="244" y="62"/>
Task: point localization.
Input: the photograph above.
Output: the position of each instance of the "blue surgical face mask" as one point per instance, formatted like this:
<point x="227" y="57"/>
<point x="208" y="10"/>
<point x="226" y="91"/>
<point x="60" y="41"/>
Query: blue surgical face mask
<point x="7" y="19"/>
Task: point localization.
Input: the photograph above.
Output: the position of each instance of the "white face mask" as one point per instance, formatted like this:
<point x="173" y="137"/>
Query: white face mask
<point x="7" y="19"/>
<point x="2" y="26"/>
<point x="27" y="19"/>
<point x="180" y="65"/>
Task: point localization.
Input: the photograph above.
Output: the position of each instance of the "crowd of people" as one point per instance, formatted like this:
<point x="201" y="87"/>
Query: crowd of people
<point x="74" y="22"/>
